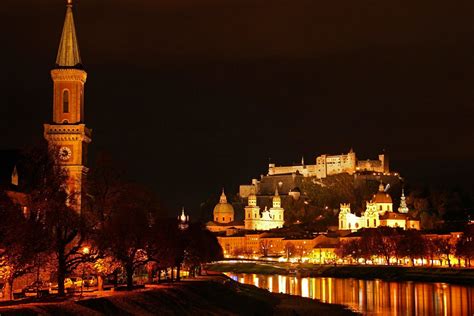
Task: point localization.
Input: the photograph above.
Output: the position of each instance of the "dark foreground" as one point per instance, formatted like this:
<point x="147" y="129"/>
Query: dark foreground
<point x="212" y="295"/>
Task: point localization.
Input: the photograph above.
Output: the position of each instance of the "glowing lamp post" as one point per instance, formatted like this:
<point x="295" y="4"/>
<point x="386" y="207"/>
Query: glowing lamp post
<point x="85" y="252"/>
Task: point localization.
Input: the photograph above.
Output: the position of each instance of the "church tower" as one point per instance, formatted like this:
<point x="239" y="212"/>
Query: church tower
<point x="67" y="135"/>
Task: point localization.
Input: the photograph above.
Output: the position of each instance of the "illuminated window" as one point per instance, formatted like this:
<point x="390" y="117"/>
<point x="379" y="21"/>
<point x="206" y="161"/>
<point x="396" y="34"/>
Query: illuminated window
<point x="66" y="101"/>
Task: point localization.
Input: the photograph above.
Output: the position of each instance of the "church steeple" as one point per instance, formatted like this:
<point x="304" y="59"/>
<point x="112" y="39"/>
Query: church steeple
<point x="68" y="53"/>
<point x="67" y="134"/>
<point x="403" y="203"/>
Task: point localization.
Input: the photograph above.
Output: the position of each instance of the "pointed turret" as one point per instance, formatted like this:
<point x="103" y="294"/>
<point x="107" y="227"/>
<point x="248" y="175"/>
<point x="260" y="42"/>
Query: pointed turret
<point x="276" y="199"/>
<point x="68" y="53"/>
<point x="381" y="187"/>
<point x="223" y="198"/>
<point x="183" y="220"/>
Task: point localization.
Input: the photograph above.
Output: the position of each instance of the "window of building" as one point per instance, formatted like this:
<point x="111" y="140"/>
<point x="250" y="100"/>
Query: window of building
<point x="66" y="101"/>
<point x="368" y="223"/>
<point x="375" y="222"/>
<point x="342" y="223"/>
<point x="223" y="219"/>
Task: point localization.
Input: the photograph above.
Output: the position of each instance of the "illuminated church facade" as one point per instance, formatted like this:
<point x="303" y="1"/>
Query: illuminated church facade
<point x="378" y="212"/>
<point x="272" y="218"/>
<point x="254" y="217"/>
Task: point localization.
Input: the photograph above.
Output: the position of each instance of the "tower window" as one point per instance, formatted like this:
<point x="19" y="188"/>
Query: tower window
<point x="66" y="101"/>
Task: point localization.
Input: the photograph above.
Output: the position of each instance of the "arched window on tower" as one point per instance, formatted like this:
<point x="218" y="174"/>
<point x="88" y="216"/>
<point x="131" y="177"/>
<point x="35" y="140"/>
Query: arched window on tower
<point x="66" y="101"/>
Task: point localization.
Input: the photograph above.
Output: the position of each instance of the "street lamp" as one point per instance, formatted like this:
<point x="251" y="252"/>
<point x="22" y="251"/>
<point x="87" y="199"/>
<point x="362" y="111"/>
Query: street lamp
<point x="85" y="252"/>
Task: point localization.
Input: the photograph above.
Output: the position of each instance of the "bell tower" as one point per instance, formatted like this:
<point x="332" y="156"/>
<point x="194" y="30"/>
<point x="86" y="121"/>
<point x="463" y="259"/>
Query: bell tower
<point x="67" y="135"/>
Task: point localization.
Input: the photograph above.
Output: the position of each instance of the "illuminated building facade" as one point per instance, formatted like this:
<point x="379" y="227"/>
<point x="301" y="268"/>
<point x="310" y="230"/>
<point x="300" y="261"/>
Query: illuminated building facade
<point x="268" y="218"/>
<point x="379" y="212"/>
<point x="327" y="165"/>
<point x="67" y="134"/>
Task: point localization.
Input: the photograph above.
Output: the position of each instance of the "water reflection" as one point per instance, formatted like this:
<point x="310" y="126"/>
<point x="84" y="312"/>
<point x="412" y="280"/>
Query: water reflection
<point x="373" y="297"/>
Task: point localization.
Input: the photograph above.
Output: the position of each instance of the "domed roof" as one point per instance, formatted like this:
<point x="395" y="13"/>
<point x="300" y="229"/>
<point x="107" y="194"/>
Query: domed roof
<point x="382" y="196"/>
<point x="223" y="207"/>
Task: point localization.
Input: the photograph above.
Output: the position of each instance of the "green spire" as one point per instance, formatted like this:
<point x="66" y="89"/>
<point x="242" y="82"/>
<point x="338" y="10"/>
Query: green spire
<point x="68" y="53"/>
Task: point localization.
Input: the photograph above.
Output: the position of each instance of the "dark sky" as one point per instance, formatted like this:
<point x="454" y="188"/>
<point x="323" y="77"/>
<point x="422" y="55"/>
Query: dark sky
<point x="196" y="95"/>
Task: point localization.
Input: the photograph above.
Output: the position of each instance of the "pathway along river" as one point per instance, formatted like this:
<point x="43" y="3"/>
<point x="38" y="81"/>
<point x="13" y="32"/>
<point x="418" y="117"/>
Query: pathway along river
<point x="372" y="297"/>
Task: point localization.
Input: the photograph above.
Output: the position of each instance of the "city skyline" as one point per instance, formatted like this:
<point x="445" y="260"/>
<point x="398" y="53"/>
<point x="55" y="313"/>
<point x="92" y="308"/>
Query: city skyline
<point x="204" y="111"/>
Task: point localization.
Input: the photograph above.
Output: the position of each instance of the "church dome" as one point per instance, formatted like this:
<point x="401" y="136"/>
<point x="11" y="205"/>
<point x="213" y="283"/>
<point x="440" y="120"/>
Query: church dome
<point x="381" y="196"/>
<point x="223" y="211"/>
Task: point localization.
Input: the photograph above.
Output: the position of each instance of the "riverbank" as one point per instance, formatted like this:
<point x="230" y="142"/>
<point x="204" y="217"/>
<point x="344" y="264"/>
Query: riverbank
<point x="209" y="295"/>
<point x="389" y="273"/>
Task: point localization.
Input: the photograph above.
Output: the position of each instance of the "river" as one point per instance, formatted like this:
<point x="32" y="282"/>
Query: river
<point x="372" y="297"/>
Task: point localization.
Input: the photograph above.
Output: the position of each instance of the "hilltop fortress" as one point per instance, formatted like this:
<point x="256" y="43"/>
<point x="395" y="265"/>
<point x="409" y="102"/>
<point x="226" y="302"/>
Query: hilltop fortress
<point x="288" y="179"/>
<point x="327" y="165"/>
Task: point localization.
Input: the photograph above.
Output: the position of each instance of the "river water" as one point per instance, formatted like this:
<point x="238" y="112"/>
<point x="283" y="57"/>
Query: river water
<point x="373" y="297"/>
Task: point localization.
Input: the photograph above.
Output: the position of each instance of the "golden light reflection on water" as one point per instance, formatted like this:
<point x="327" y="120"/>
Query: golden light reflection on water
<point x="373" y="297"/>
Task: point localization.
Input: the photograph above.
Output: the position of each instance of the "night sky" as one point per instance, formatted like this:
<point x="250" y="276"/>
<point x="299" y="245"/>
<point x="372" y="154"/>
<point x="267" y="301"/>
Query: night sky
<point x="196" y="95"/>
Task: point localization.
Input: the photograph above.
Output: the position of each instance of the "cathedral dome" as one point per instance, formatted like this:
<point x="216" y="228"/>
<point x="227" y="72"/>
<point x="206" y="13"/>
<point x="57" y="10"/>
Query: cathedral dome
<point x="381" y="196"/>
<point x="223" y="211"/>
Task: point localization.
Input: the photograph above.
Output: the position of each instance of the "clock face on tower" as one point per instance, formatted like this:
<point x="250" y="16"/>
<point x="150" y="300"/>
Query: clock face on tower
<point x="65" y="153"/>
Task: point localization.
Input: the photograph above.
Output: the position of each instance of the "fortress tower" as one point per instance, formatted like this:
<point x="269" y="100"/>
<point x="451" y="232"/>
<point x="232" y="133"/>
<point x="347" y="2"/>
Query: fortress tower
<point x="67" y="135"/>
